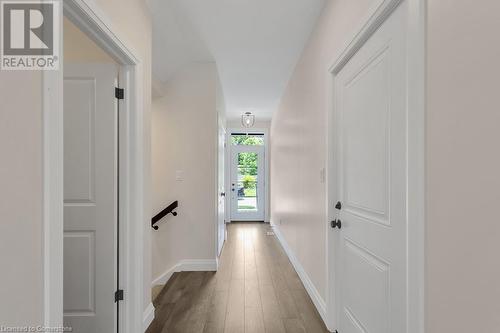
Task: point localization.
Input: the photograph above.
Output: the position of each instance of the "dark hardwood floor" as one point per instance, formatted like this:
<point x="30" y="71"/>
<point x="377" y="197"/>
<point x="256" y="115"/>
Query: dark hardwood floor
<point x="255" y="290"/>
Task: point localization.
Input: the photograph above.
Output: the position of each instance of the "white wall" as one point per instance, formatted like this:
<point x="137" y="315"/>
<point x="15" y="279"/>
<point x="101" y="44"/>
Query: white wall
<point x="463" y="167"/>
<point x="78" y="47"/>
<point x="21" y="281"/>
<point x="298" y="140"/>
<point x="184" y="138"/>
<point x="236" y="124"/>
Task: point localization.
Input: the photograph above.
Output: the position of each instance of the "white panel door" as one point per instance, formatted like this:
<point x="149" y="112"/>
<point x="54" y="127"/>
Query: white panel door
<point x="90" y="197"/>
<point x="221" y="224"/>
<point x="371" y="113"/>
<point x="247" y="183"/>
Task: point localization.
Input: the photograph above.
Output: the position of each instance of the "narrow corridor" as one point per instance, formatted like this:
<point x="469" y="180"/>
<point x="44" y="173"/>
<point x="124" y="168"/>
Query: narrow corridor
<point x="255" y="290"/>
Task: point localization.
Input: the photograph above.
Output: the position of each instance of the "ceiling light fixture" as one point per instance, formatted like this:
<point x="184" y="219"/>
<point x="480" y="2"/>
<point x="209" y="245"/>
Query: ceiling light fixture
<point x="247" y="119"/>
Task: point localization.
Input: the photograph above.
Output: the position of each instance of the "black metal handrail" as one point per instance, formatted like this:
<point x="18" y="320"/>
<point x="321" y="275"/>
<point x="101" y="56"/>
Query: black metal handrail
<point x="163" y="213"/>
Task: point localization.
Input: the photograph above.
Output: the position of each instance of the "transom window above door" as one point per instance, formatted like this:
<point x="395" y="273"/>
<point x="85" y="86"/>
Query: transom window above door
<point x="243" y="139"/>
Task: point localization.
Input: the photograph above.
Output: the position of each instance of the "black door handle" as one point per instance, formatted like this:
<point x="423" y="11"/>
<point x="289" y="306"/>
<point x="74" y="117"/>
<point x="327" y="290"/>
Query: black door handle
<point x="336" y="224"/>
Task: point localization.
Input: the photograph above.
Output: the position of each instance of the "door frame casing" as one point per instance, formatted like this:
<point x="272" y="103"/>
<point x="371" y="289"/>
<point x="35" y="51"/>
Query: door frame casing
<point x="415" y="177"/>
<point x="221" y="125"/>
<point x="89" y="18"/>
<point x="264" y="131"/>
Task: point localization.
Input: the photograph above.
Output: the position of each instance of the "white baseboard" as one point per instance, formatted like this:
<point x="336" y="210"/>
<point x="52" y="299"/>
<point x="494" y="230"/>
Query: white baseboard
<point x="196" y="265"/>
<point x="318" y="301"/>
<point x="165" y="276"/>
<point x="187" y="265"/>
<point x="148" y="316"/>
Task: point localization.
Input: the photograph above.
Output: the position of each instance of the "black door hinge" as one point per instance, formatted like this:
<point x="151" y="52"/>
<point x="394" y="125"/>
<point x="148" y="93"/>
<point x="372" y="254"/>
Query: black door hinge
<point x="336" y="331"/>
<point x="119" y="93"/>
<point x="118" y="295"/>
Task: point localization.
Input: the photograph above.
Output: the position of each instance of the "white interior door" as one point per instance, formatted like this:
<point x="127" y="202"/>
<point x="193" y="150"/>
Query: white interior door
<point x="371" y="114"/>
<point x="90" y="197"/>
<point x="221" y="224"/>
<point x="247" y="183"/>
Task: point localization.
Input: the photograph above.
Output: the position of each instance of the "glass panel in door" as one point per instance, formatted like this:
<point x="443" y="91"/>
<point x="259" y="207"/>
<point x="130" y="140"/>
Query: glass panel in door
<point x="247" y="183"/>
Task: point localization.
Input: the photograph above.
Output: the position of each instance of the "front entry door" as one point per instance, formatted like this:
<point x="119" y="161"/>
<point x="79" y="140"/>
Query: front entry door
<point x="371" y="114"/>
<point x="90" y="197"/>
<point x="247" y="183"/>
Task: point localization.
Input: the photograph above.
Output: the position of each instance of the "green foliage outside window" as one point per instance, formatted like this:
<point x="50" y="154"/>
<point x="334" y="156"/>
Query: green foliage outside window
<point x="248" y="182"/>
<point x="248" y="164"/>
<point x="247" y="140"/>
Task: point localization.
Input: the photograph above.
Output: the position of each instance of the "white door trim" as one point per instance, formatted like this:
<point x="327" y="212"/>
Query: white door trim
<point x="415" y="158"/>
<point x="221" y="125"/>
<point x="86" y="15"/>
<point x="267" y="160"/>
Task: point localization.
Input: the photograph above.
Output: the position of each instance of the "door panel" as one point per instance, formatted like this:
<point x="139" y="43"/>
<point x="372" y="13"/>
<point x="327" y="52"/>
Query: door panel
<point x="371" y="148"/>
<point x="79" y="286"/>
<point x="366" y="140"/>
<point x="79" y="155"/>
<point x="366" y="288"/>
<point x="247" y="183"/>
<point x="90" y="197"/>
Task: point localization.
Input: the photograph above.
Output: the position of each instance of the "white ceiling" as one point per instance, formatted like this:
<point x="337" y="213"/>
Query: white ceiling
<point x="255" y="43"/>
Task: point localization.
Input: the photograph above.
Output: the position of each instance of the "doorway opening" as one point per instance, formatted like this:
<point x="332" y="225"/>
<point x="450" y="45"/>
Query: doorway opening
<point x="91" y="296"/>
<point x="73" y="252"/>
<point x="248" y="186"/>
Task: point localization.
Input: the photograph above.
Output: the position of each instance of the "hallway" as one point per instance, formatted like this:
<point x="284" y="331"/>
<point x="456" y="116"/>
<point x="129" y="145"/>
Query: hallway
<point x="255" y="290"/>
